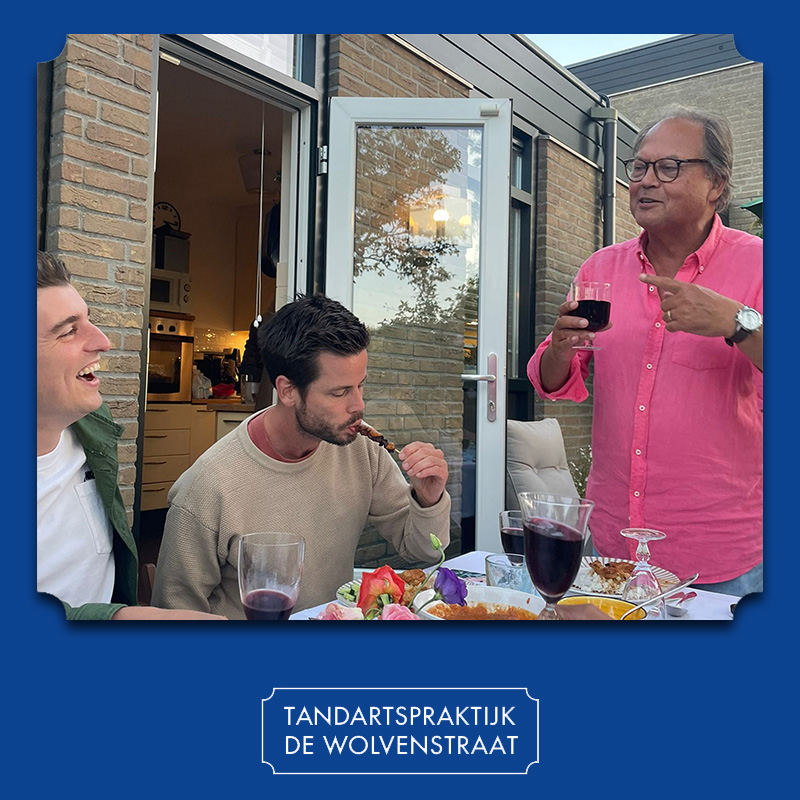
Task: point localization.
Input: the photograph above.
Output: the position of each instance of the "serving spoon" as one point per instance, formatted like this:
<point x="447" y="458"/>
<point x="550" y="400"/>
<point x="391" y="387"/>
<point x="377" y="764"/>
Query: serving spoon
<point x="671" y="590"/>
<point x="677" y="609"/>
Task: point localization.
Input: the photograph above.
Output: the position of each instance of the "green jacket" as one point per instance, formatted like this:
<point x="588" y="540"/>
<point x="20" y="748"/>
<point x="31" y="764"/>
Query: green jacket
<point x="98" y="433"/>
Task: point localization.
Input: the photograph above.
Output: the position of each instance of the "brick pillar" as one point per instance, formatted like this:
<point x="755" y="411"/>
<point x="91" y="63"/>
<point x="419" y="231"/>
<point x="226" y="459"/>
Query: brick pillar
<point x="100" y="203"/>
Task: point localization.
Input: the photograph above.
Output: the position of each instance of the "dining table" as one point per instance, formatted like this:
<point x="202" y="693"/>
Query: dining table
<point x="706" y="606"/>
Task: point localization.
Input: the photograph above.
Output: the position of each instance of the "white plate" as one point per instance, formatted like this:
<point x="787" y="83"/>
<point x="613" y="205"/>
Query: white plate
<point x="485" y="594"/>
<point x="665" y="577"/>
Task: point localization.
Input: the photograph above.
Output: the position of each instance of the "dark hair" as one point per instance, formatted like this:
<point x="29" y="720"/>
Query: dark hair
<point x="50" y="271"/>
<point x="717" y="144"/>
<point x="297" y="333"/>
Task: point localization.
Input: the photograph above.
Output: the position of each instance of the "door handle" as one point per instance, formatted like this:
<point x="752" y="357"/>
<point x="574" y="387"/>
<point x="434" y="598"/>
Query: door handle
<point x="491" y="379"/>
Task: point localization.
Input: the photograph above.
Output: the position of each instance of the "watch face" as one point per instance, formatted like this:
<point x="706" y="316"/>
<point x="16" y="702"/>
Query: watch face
<point x="749" y="319"/>
<point x="166" y="213"/>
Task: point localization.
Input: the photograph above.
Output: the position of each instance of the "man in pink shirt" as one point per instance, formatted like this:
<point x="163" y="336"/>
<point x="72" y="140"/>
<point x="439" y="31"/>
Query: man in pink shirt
<point x="678" y="418"/>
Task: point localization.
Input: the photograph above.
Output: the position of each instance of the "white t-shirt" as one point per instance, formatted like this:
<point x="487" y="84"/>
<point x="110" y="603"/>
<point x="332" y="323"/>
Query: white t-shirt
<point x="74" y="538"/>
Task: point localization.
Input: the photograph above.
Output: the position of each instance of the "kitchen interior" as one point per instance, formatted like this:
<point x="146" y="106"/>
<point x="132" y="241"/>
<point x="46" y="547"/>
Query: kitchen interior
<point x="216" y="231"/>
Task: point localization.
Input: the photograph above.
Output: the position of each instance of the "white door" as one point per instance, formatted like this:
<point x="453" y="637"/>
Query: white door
<point x="417" y="248"/>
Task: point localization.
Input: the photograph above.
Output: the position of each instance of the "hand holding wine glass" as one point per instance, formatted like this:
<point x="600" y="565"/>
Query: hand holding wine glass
<point x="270" y="569"/>
<point x="575" y="329"/>
<point x="594" y="305"/>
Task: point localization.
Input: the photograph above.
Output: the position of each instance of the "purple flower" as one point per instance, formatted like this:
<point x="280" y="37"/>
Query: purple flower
<point x="450" y="588"/>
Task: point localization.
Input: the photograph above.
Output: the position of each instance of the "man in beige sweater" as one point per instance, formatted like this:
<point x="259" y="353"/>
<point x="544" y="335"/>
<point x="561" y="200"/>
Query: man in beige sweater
<point x="300" y="466"/>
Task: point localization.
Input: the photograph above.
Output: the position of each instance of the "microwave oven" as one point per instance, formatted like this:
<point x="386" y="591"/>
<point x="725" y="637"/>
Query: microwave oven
<point x="170" y="291"/>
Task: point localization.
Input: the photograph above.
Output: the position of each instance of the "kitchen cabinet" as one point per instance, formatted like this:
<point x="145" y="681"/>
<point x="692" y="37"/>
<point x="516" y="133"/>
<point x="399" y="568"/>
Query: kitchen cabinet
<point x="165" y="455"/>
<point x="203" y="431"/>
<point x="228" y="420"/>
<point x="175" y="436"/>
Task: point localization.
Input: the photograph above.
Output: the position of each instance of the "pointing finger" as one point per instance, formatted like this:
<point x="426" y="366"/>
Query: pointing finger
<point x="661" y="282"/>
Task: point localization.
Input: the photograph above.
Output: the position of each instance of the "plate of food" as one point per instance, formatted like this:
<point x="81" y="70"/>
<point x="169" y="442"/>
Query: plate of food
<point x="605" y="577"/>
<point x="483" y="603"/>
<point x="347" y="593"/>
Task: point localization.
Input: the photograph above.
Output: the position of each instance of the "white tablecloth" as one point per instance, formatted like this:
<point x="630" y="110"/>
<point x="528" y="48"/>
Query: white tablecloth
<point x="706" y="606"/>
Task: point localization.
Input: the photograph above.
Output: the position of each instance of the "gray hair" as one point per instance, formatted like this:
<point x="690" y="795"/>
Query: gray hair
<point x="717" y="144"/>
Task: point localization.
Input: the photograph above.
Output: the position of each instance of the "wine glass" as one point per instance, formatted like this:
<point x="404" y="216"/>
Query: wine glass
<point x="642" y="583"/>
<point x="511" y="535"/>
<point x="594" y="305"/>
<point x="270" y="569"/>
<point x="555" y="529"/>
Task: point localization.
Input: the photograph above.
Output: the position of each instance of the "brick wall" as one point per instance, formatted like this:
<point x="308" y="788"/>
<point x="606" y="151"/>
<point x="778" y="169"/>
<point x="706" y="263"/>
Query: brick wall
<point x="372" y="65"/>
<point x="99" y="204"/>
<point x="737" y="93"/>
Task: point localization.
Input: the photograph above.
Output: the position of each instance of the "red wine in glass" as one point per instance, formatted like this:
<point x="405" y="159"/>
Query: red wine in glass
<point x="594" y="305"/>
<point x="512" y="541"/>
<point x="511" y="537"/>
<point x="553" y="553"/>
<point x="270" y="568"/>
<point x="596" y="312"/>
<point x="267" y="604"/>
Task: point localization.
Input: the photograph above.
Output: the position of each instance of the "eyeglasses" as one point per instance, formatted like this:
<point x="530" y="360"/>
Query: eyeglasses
<point x="665" y="169"/>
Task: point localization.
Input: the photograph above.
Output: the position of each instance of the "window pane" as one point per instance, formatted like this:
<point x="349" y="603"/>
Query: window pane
<point x="416" y="260"/>
<point x="275" y="50"/>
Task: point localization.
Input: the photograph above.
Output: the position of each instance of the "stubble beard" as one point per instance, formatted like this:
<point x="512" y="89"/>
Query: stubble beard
<point x="315" y="426"/>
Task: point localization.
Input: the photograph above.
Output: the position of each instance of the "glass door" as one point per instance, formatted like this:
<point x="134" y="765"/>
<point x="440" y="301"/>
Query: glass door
<point x="417" y="247"/>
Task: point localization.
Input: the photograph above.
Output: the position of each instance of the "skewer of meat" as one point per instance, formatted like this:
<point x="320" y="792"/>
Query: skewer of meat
<point x="367" y="430"/>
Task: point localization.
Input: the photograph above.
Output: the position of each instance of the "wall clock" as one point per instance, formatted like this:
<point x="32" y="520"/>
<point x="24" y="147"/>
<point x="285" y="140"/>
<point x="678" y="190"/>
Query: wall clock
<point x="166" y="214"/>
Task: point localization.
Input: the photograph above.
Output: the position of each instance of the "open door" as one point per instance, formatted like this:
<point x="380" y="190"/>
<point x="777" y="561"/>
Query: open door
<point x="417" y="247"/>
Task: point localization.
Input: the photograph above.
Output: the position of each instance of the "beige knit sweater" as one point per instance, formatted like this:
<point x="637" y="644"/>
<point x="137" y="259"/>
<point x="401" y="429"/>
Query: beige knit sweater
<point x="234" y="488"/>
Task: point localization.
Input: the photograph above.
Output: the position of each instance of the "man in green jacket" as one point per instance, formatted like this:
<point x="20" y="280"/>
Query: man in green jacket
<point x="86" y="553"/>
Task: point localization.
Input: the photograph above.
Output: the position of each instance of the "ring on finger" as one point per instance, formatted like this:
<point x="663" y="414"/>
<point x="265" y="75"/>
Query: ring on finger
<point x="668" y="316"/>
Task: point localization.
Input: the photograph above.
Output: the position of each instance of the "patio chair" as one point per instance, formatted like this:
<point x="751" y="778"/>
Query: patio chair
<point x="536" y="461"/>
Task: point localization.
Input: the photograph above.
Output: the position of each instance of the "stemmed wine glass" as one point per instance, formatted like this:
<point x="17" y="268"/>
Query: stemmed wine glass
<point x="270" y="569"/>
<point x="594" y="305"/>
<point x="555" y="529"/>
<point x="642" y="583"/>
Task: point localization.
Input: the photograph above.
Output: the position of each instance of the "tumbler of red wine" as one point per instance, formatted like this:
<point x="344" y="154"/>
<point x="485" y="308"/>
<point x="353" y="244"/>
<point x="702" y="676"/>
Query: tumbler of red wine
<point x="511" y="534"/>
<point x="555" y="529"/>
<point x="594" y="305"/>
<point x="270" y="569"/>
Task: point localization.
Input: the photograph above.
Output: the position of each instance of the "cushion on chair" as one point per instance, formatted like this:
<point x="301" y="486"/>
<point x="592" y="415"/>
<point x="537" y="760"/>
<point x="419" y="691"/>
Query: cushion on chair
<point x="536" y="460"/>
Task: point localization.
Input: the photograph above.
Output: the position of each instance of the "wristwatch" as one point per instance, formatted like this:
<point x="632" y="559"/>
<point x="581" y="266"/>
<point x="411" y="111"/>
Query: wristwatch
<point x="748" y="321"/>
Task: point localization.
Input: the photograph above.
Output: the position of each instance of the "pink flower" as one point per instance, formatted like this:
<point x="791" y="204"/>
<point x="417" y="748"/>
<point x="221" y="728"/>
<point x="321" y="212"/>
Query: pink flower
<point x="337" y="611"/>
<point x="396" y="611"/>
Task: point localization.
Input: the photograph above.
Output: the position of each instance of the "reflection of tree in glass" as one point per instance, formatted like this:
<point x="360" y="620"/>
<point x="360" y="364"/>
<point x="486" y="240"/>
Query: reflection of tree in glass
<point x="400" y="169"/>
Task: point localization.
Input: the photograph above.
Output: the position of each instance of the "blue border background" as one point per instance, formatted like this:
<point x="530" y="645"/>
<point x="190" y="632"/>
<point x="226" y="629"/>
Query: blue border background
<point x="175" y="710"/>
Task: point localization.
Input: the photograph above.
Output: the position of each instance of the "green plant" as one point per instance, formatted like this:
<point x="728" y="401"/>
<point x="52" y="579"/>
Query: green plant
<point x="579" y="468"/>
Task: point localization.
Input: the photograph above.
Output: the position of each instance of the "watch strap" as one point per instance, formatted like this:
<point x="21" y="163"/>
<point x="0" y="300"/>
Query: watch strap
<point x="741" y="332"/>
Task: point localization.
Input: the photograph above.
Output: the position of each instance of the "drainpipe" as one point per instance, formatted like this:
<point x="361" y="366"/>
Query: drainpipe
<point x="608" y="116"/>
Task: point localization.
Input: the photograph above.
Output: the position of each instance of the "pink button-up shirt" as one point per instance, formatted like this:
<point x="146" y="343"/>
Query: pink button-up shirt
<point x="678" y="418"/>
